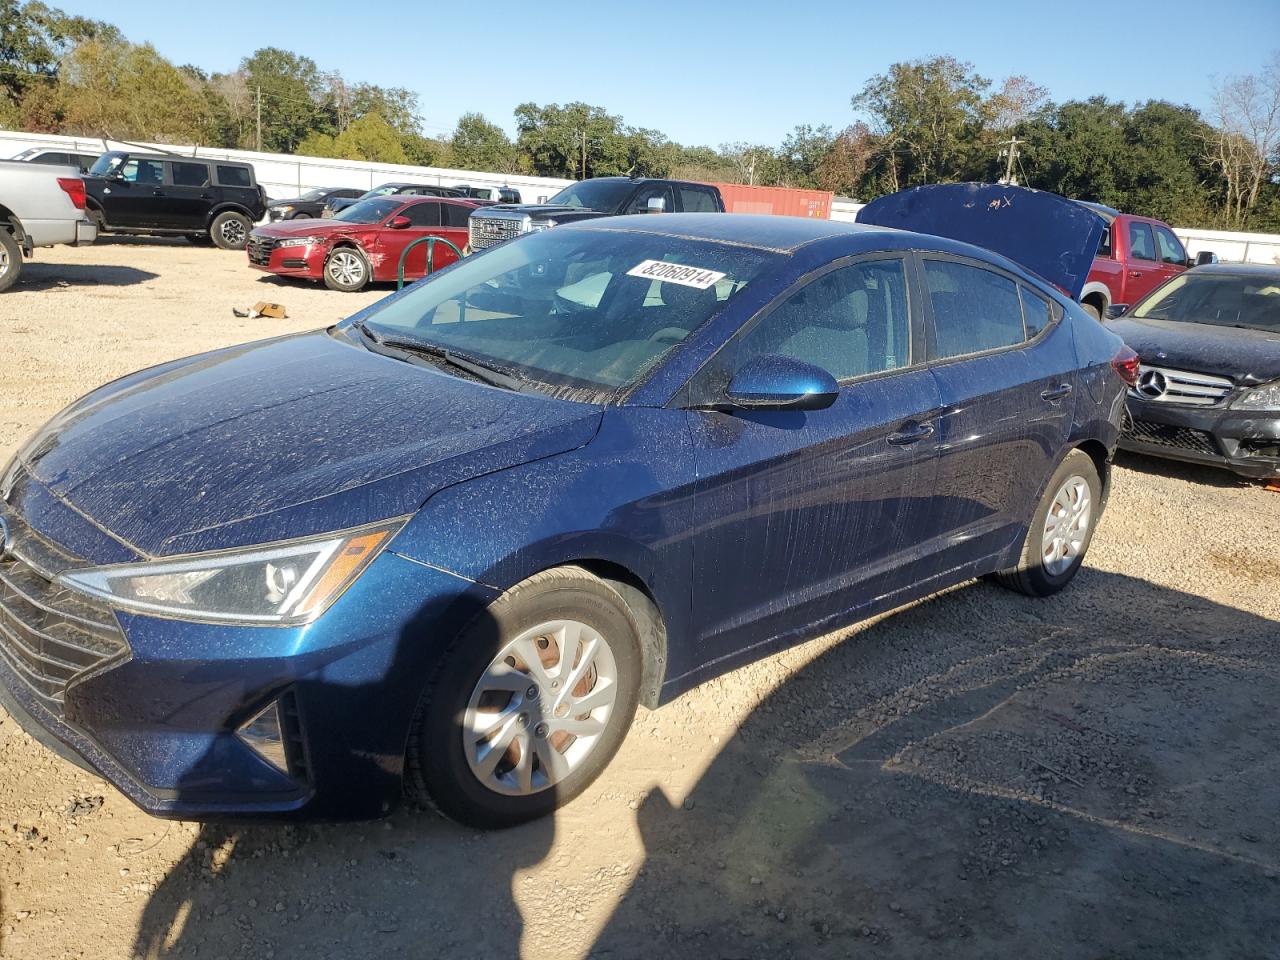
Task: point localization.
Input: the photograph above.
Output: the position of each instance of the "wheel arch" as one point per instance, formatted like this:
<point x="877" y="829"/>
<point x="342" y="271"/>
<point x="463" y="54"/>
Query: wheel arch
<point x="228" y="206"/>
<point x="643" y="604"/>
<point x="1098" y="293"/>
<point x="9" y="221"/>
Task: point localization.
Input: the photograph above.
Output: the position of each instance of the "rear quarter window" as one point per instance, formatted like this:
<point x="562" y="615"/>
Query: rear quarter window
<point x="229" y="176"/>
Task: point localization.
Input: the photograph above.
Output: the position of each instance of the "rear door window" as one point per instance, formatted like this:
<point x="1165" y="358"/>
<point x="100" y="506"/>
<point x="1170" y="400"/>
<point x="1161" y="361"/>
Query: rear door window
<point x="456" y="216"/>
<point x="1141" y="244"/>
<point x="1171" y="250"/>
<point x="229" y="176"/>
<point x="186" y="174"/>
<point x="697" y="200"/>
<point x="974" y="309"/>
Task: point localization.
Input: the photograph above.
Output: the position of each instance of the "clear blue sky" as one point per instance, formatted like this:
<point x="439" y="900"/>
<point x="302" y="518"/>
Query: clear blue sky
<point x="710" y="72"/>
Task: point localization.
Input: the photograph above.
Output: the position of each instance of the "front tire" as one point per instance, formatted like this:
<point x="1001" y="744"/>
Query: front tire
<point x="1061" y="529"/>
<point x="230" y="230"/>
<point x="10" y="260"/>
<point x="530" y="704"/>
<point x="1092" y="309"/>
<point x="346" y="269"/>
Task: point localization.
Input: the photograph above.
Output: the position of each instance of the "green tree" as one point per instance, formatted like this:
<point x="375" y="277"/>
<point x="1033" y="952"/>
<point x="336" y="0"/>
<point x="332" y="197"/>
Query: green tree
<point x="576" y="140"/>
<point x="34" y="39"/>
<point x="293" y="97"/>
<point x="121" y="90"/>
<point x="925" y="114"/>
<point x="367" y="138"/>
<point x="478" y="144"/>
<point x="801" y="153"/>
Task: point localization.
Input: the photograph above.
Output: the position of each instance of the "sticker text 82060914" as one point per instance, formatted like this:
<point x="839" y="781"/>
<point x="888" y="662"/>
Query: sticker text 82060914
<point x="675" y="273"/>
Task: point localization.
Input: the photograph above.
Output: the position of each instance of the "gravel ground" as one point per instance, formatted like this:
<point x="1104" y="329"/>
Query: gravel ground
<point x="977" y="775"/>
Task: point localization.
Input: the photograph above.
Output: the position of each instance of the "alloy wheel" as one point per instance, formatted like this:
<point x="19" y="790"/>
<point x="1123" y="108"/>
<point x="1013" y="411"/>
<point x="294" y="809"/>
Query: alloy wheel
<point x="346" y="267"/>
<point x="540" y="707"/>
<point x="1066" y="526"/>
<point x="233" y="231"/>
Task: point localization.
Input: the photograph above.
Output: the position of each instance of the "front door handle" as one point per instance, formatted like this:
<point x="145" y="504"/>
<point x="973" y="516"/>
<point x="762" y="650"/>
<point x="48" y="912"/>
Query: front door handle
<point x="1056" y="393"/>
<point x="911" y="433"/>
<point x="1135" y="274"/>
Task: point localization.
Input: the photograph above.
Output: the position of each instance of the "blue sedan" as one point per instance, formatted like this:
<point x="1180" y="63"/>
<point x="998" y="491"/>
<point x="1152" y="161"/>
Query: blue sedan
<point x="448" y="546"/>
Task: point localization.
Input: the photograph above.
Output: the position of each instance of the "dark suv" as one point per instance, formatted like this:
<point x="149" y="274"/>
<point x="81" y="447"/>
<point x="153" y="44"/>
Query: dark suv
<point x="337" y="205"/>
<point x="202" y="199"/>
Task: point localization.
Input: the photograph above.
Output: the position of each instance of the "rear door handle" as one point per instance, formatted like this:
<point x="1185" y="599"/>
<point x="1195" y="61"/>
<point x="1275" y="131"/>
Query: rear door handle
<point x="1056" y="393"/>
<point x="911" y="433"/>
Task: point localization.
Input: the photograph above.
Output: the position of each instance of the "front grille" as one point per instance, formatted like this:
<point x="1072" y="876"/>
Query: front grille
<point x="1168" y="435"/>
<point x="260" y="248"/>
<point x="486" y="231"/>
<point x="1162" y="385"/>
<point x="49" y="635"/>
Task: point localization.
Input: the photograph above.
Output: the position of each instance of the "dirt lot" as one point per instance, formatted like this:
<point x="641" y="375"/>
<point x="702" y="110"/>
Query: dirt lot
<point x="1094" y="775"/>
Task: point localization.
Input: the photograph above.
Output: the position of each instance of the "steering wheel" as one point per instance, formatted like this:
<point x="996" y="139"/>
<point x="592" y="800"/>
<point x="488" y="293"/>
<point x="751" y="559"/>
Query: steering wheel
<point x="674" y="334"/>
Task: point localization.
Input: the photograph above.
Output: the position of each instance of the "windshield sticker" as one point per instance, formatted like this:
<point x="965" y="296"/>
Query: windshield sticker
<point x="676" y="273"/>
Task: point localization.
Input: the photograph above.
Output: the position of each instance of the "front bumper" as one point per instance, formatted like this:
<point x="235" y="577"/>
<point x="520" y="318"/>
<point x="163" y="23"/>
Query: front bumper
<point x="305" y="263"/>
<point x="1242" y="441"/>
<point x="161" y="723"/>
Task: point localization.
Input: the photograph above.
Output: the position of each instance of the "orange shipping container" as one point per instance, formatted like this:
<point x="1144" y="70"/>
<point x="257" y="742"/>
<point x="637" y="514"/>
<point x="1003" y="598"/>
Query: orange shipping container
<point x="780" y="201"/>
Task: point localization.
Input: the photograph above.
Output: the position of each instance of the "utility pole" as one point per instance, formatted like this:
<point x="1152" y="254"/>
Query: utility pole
<point x="259" y="118"/>
<point x="584" y="153"/>
<point x="1011" y="153"/>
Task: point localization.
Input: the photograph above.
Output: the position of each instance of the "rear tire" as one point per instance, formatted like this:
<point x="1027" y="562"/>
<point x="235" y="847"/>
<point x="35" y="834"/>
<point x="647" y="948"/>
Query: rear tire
<point x="10" y="260"/>
<point x="1093" y="310"/>
<point x="346" y="269"/>
<point x="486" y="771"/>
<point x="230" y="230"/>
<point x="1061" y="529"/>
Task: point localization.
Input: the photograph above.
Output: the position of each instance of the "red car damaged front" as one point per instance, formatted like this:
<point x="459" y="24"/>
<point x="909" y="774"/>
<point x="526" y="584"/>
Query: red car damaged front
<point x="364" y="242"/>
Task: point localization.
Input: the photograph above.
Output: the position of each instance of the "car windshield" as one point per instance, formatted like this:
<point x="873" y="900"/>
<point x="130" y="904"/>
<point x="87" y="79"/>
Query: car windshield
<point x="603" y="195"/>
<point x="374" y="210"/>
<point x="1226" y="300"/>
<point x="107" y="163"/>
<point x="570" y="310"/>
<point x="318" y="194"/>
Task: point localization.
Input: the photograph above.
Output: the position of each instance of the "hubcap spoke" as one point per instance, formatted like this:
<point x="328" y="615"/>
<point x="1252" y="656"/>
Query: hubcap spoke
<point x="524" y="729"/>
<point x="1066" y="525"/>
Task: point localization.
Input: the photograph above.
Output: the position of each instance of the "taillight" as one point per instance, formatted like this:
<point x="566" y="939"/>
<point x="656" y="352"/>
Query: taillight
<point x="1126" y="363"/>
<point x="74" y="188"/>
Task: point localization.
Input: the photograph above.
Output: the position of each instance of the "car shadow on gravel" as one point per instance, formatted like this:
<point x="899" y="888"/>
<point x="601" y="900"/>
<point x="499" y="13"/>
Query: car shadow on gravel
<point x="54" y="276"/>
<point x="1181" y="470"/>
<point x="979" y="775"/>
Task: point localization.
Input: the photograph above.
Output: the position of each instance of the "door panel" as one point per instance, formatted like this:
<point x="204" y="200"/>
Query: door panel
<point x="189" y="194"/>
<point x="805" y="515"/>
<point x="802" y="517"/>
<point x="1143" y="270"/>
<point x="135" y="200"/>
<point x="1006" y="413"/>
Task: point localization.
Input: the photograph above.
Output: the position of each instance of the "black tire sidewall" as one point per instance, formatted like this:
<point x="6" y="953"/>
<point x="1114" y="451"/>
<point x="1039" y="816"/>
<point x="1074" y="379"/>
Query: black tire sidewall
<point x="441" y="763"/>
<point x="215" y="229"/>
<point x="14" y="268"/>
<point x="1076" y="463"/>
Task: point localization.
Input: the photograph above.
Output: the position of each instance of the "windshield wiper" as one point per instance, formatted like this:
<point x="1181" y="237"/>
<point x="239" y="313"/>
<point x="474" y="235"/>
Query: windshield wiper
<point x="481" y="371"/>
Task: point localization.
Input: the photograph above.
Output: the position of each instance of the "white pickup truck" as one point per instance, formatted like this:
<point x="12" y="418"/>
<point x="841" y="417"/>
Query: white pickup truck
<point x="40" y="206"/>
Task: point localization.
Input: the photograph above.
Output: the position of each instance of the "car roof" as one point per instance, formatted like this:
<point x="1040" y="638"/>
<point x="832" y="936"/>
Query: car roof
<point x="1238" y="270"/>
<point x="694" y="183"/>
<point x="410" y="198"/>
<point x="746" y="229"/>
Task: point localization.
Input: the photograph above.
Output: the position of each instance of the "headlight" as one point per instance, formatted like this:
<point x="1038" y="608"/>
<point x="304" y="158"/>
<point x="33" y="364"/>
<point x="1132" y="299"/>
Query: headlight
<point x="536" y="225"/>
<point x="286" y="208"/>
<point x="281" y="583"/>
<point x="1265" y="397"/>
<point x="297" y="242"/>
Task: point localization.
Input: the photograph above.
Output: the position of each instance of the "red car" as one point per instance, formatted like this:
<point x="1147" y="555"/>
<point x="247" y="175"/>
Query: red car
<point x="364" y="242"/>
<point x="1135" y="256"/>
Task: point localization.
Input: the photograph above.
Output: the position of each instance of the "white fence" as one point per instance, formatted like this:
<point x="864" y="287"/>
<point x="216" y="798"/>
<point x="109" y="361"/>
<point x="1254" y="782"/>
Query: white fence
<point x="1230" y="246"/>
<point x="285" y="175"/>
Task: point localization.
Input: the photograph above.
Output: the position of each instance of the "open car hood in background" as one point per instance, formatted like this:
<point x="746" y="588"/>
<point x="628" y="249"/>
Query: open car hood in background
<point x="1050" y="235"/>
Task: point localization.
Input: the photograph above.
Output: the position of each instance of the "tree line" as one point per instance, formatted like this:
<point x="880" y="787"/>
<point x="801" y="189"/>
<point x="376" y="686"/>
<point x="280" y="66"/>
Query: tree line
<point x="923" y="121"/>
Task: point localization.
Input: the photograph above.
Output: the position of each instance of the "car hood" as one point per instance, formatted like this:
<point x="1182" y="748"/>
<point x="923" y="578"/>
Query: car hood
<point x="1246" y="356"/>
<point x="311" y="228"/>
<point x="537" y="210"/>
<point x="1048" y="234"/>
<point x="285" y="438"/>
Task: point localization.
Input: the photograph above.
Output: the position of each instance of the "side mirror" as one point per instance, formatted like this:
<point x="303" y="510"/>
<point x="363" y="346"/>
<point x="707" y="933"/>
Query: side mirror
<point x="1205" y="257"/>
<point x="1116" y="309"/>
<point x="399" y="223"/>
<point x="781" y="383"/>
<point x="656" y="205"/>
